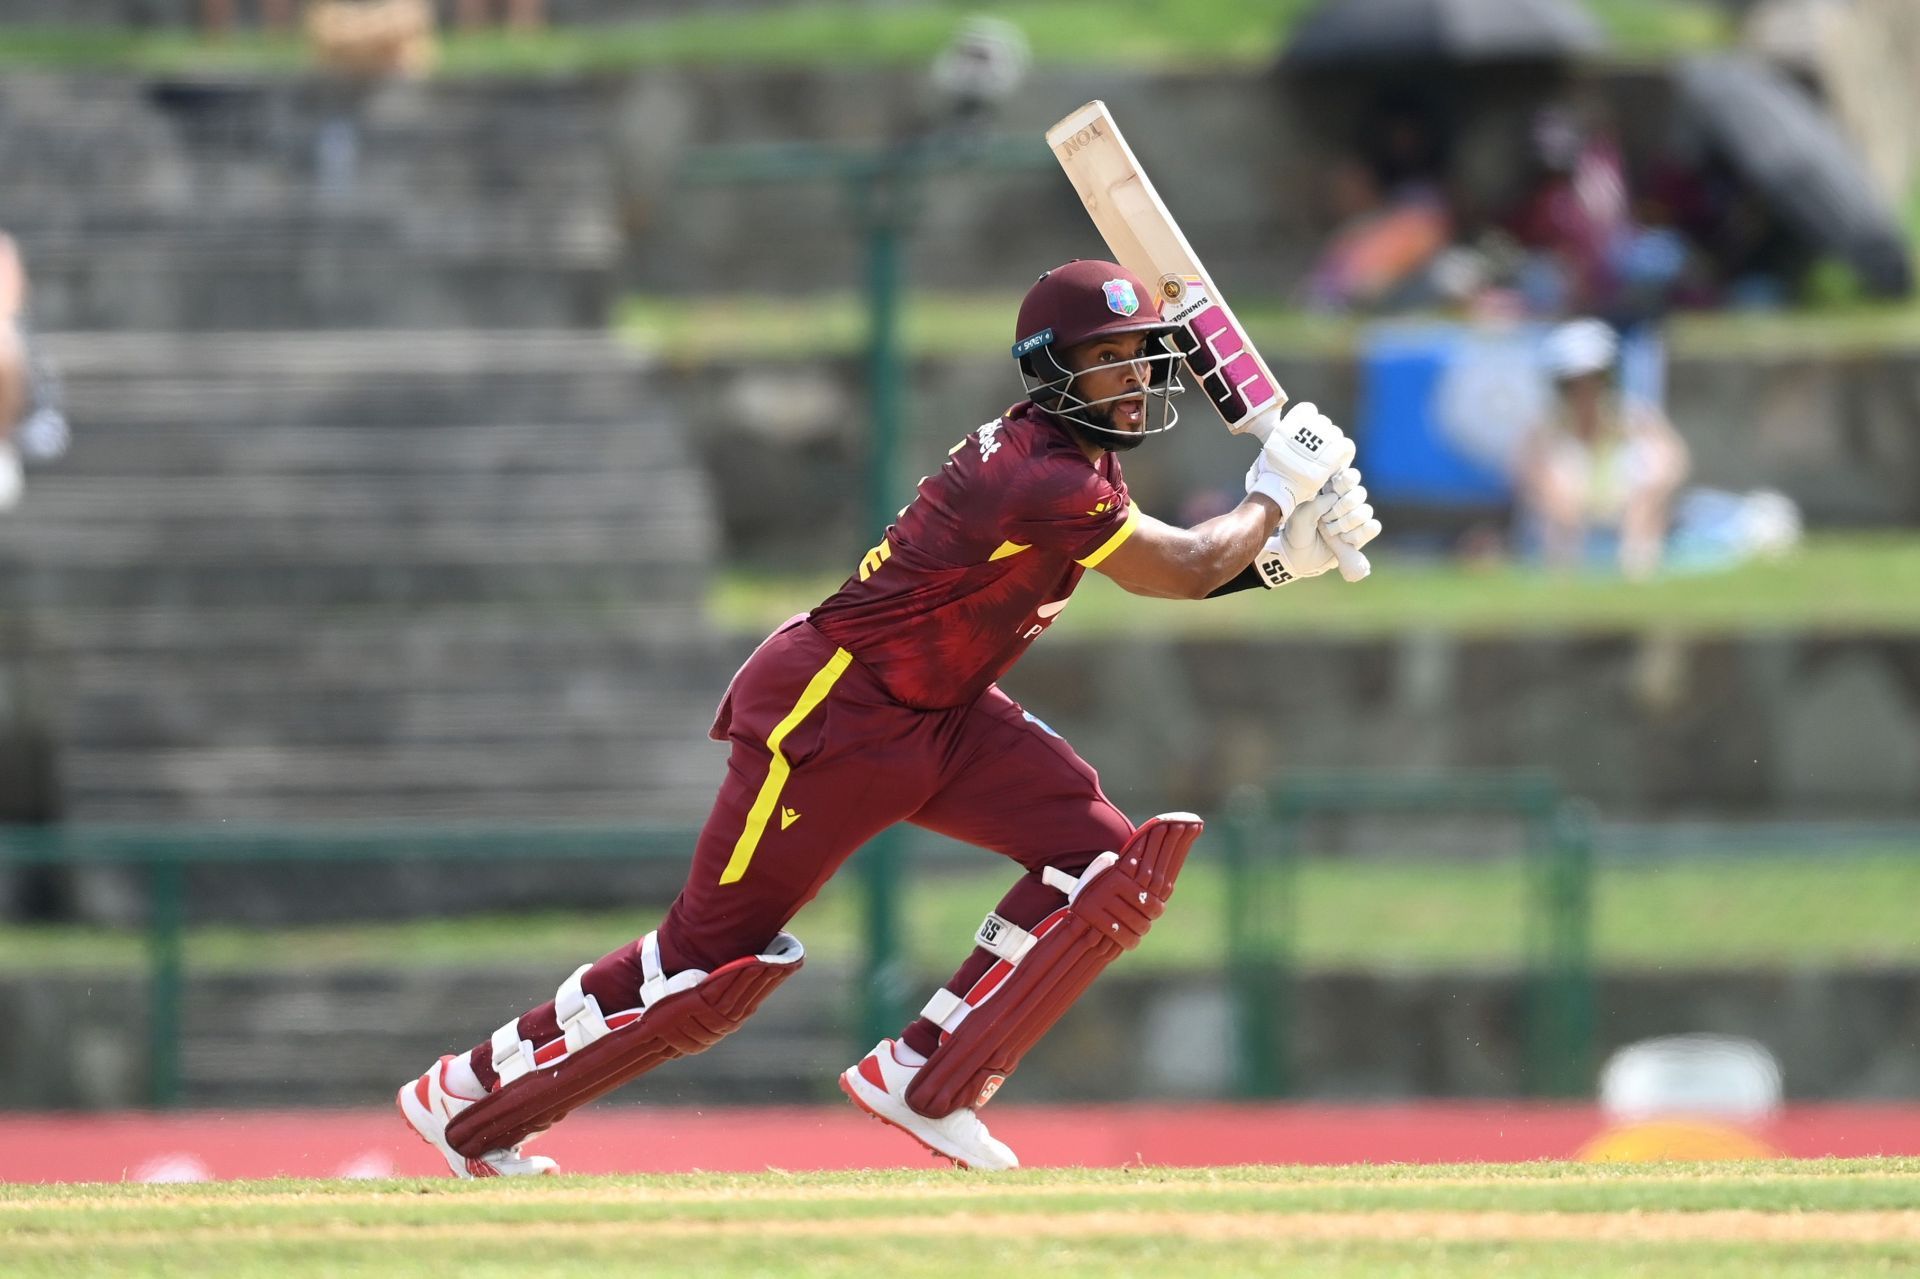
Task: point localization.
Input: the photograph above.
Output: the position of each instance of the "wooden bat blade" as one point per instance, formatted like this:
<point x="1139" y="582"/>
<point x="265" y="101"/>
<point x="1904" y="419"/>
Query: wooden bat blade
<point x="1141" y="233"/>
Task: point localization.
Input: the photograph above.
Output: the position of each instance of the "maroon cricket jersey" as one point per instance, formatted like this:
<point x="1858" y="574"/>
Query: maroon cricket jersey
<point x="981" y="561"/>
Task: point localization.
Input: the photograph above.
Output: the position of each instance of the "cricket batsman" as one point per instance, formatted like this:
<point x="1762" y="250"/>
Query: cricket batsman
<point x="880" y="706"/>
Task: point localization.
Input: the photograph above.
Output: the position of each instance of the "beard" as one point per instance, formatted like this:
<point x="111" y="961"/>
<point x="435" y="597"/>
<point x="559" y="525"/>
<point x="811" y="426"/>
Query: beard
<point x="1113" y="438"/>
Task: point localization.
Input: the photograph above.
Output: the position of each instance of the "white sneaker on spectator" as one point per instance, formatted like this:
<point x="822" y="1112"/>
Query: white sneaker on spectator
<point x="878" y="1083"/>
<point x="429" y="1106"/>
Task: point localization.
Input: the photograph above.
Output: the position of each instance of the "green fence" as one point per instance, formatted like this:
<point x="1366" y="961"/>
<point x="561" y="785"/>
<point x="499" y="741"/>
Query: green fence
<point x="1263" y="845"/>
<point x="164" y="854"/>
<point x="1259" y="844"/>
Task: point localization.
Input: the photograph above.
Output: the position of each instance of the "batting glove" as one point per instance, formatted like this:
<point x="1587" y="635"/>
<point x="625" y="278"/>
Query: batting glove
<point x="1302" y="549"/>
<point x="1299" y="457"/>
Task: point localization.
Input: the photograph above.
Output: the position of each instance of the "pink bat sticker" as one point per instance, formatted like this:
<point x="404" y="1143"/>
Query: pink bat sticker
<point x="1221" y="359"/>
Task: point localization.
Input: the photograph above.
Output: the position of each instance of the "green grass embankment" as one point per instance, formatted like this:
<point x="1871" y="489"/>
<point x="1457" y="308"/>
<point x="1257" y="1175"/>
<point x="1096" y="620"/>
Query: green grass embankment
<point x="1835" y="584"/>
<point x="1154" y="34"/>
<point x="1837" y="908"/>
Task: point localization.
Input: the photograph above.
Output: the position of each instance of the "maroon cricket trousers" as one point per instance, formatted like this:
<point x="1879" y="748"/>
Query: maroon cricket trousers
<point x="822" y="759"/>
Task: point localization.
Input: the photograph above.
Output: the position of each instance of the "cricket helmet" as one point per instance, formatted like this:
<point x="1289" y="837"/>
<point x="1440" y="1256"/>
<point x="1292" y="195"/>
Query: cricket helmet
<point x="1082" y="301"/>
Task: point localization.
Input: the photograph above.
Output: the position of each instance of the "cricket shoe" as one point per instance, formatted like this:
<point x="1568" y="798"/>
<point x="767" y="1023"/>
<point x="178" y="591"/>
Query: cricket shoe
<point x="877" y="1084"/>
<point x="429" y="1106"/>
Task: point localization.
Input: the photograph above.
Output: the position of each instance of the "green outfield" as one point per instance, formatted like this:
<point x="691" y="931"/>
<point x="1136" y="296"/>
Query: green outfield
<point x="1833" y="908"/>
<point x="1577" y="1221"/>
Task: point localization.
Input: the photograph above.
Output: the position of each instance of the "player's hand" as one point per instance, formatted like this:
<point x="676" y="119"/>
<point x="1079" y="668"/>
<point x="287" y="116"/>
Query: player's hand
<point x="1350" y="518"/>
<point x="1299" y="457"/>
<point x="1304" y="545"/>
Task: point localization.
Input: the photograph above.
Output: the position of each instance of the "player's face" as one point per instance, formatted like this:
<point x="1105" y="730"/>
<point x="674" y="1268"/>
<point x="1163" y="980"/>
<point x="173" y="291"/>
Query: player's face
<point x="1113" y="366"/>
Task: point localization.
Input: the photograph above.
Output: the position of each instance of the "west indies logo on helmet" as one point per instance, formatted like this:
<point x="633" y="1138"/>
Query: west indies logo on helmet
<point x="1085" y="301"/>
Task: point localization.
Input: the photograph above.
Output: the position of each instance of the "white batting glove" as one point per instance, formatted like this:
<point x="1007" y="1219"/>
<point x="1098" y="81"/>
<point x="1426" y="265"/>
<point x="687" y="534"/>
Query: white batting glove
<point x="1350" y="518"/>
<point x="1299" y="457"/>
<point x="1302" y="548"/>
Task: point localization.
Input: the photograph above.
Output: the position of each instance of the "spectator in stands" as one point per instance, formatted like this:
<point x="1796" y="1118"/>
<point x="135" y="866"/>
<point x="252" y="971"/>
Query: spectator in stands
<point x="517" y="15"/>
<point x="1573" y="217"/>
<point x="1378" y="255"/>
<point x="31" y="423"/>
<point x="1596" y="480"/>
<point x="217" y="16"/>
<point x="1393" y="215"/>
<point x="13" y="368"/>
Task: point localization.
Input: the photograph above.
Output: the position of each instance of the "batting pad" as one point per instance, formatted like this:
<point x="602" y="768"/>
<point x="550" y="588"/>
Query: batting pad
<point x="595" y="1055"/>
<point x="1109" y="909"/>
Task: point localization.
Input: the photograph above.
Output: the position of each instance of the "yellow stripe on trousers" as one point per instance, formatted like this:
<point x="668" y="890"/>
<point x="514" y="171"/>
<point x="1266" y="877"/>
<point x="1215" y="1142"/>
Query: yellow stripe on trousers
<point x="763" y="803"/>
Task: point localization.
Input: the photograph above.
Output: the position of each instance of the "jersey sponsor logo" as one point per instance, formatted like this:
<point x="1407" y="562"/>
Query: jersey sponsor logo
<point x="1121" y="299"/>
<point x="989" y="439"/>
<point x="1046" y="612"/>
<point x="788" y="817"/>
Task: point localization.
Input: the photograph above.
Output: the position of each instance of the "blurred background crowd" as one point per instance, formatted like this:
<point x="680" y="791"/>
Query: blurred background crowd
<point x="414" y="411"/>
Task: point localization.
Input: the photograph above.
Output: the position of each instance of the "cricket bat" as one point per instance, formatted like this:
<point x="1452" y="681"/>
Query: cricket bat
<point x="1144" y="238"/>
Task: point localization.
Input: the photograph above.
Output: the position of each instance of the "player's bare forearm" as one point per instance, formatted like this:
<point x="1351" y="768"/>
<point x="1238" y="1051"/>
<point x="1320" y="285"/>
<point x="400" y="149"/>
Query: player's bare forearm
<point x="1168" y="562"/>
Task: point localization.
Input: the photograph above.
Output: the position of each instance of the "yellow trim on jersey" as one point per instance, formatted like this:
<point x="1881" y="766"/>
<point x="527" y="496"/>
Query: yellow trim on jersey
<point x="763" y="804"/>
<point x="1007" y="548"/>
<point x="1112" y="544"/>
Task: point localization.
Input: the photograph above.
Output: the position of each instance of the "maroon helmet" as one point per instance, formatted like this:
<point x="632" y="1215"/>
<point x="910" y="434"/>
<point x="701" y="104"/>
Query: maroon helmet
<point x="1079" y="302"/>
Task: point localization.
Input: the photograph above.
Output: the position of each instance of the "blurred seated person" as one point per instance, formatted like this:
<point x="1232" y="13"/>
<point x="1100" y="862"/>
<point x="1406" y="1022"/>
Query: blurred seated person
<point x="31" y="422"/>
<point x="217" y="16"/>
<point x="371" y="39"/>
<point x="1574" y="216"/>
<point x="1596" y="480"/>
<point x="517" y="15"/>
<point x="14" y="380"/>
<point x="1741" y="254"/>
<point x="1385" y="241"/>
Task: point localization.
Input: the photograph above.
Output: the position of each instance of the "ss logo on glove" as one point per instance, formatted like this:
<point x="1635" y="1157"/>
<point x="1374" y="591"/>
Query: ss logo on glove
<point x="1308" y="438"/>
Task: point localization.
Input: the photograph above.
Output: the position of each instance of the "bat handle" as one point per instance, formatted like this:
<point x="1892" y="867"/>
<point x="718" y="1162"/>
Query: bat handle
<point x="1353" y="564"/>
<point x="1261" y="425"/>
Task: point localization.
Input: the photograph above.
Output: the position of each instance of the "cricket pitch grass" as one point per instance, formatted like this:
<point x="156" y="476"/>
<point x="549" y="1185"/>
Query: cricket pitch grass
<point x="1830" y="1217"/>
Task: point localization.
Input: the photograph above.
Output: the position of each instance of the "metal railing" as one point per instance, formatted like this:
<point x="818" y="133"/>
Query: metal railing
<point x="1259" y="847"/>
<point x="1264" y="849"/>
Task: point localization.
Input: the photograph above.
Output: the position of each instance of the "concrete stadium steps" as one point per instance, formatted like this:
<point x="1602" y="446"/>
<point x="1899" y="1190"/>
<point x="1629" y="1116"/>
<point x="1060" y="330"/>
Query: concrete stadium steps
<point x="361" y="575"/>
<point x="415" y="721"/>
<point x="142" y="282"/>
<point x="339" y="386"/>
<point x="303" y="584"/>
<point x="572" y="779"/>
<point x="313" y="203"/>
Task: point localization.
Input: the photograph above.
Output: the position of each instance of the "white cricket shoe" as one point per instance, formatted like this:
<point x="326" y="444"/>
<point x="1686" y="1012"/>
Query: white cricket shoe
<point x="428" y="1107"/>
<point x="877" y="1084"/>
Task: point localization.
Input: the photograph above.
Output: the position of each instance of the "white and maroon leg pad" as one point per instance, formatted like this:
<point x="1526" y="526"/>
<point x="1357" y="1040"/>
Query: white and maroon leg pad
<point x="677" y="1017"/>
<point x="1040" y="973"/>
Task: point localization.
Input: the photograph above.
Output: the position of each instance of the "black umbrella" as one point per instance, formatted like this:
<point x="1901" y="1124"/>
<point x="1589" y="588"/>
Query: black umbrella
<point x="1793" y="154"/>
<point x="1346" y="32"/>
